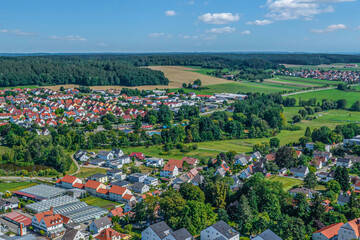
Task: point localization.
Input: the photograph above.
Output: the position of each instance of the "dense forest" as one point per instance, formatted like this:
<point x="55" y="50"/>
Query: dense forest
<point x="89" y="71"/>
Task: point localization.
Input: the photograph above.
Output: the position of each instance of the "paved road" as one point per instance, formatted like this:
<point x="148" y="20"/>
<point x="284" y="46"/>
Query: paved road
<point x="216" y="110"/>
<point x="313" y="90"/>
<point x="77" y="165"/>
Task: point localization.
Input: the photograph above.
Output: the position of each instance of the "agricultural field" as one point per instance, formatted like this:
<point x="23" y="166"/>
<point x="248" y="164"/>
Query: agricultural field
<point x="332" y="94"/>
<point x="288" y="183"/>
<point x="15" y="186"/>
<point x="103" y="203"/>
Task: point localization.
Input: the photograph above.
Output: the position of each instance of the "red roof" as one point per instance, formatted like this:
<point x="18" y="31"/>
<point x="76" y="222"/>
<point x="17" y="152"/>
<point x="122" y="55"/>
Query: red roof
<point x="117" y="190"/>
<point x="69" y="179"/>
<point x="117" y="212"/>
<point x="190" y="160"/>
<point x="19" y="218"/>
<point x="108" y="234"/>
<point x="331" y="230"/>
<point x="78" y="185"/>
<point x="102" y="191"/>
<point x="169" y="168"/>
<point x="92" y="184"/>
<point x="128" y="196"/>
<point x="177" y="163"/>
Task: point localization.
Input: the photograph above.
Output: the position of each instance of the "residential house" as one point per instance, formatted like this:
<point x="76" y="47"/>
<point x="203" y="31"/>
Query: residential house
<point x="117" y="193"/>
<point x="310" y="145"/>
<point x="117" y="152"/>
<point x="100" y="224"/>
<point x="222" y="170"/>
<point x="137" y="177"/>
<point x="327" y="233"/>
<point x="327" y="155"/>
<point x="9" y="203"/>
<point x="344" y="162"/>
<point x="154" y="162"/>
<point x="116" y="212"/>
<point x="109" y="234"/>
<point x="141" y="188"/>
<point x="220" y="230"/>
<point x="242" y="159"/>
<point x="124" y="159"/>
<point x="99" y="177"/>
<point x="177" y="163"/>
<point x="256" y="155"/>
<point x="105" y="155"/>
<point x="191" y="161"/>
<point x="169" y="171"/>
<point x="267" y="235"/>
<point x="309" y="193"/>
<point x="151" y="181"/>
<point x="81" y="156"/>
<point x="97" y="162"/>
<point x="327" y="176"/>
<point x="69" y="181"/>
<point x="52" y="224"/>
<point x="73" y="234"/>
<point x="93" y="186"/>
<point x="116" y="174"/>
<point x="350" y="230"/>
<point x="161" y="231"/>
<point x="343" y="199"/>
<point x="300" y="171"/>
<point x="138" y="155"/>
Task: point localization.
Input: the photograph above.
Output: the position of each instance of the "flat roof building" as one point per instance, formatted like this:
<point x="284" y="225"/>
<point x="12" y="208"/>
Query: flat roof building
<point x="40" y="192"/>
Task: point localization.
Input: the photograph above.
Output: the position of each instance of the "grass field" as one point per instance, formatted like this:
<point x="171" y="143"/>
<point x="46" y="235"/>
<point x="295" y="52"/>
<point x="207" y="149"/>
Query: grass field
<point x="86" y="172"/>
<point x="72" y="169"/>
<point x="288" y="183"/>
<point x="337" y="66"/>
<point x="332" y="94"/>
<point x="15" y="186"/>
<point x="94" y="201"/>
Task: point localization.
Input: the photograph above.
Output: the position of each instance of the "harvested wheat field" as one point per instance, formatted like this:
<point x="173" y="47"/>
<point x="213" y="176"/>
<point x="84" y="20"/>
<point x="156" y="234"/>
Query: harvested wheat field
<point x="177" y="76"/>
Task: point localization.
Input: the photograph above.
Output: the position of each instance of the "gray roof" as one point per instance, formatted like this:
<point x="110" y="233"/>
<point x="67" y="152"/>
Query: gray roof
<point x="303" y="190"/>
<point x="181" y="234"/>
<point x="268" y="235"/>
<point x="9" y="200"/>
<point x="102" y="222"/>
<point x="25" y="237"/>
<point x="160" y="228"/>
<point x="299" y="169"/>
<point x="120" y="183"/>
<point x="225" y="229"/>
<point x="43" y="191"/>
<point x="344" y="160"/>
<point x="98" y="175"/>
<point x="343" y="198"/>
<point x="70" y="234"/>
<point x="104" y="153"/>
<point x="138" y="185"/>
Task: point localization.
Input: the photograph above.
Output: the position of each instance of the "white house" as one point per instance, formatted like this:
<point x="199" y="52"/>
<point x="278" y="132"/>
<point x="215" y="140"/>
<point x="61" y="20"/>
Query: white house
<point x="219" y="230"/>
<point x="100" y="224"/>
<point x="169" y="171"/>
<point x="105" y="155"/>
<point x="68" y="181"/>
<point x="161" y="231"/>
<point x="52" y="224"/>
<point x="154" y="162"/>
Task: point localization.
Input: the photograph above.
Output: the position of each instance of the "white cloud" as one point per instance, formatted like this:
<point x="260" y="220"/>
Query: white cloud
<point x="246" y="32"/>
<point x="219" y="18"/>
<point x="299" y="9"/>
<point x="68" y="38"/>
<point x="158" y="35"/>
<point x="102" y="44"/>
<point x="259" y="22"/>
<point x="18" y="32"/>
<point x="330" y="28"/>
<point x="221" y="30"/>
<point x="170" y="13"/>
<point x="191" y="3"/>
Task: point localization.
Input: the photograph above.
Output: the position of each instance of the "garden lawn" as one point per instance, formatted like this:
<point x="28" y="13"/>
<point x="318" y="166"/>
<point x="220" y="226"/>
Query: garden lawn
<point x="288" y="183"/>
<point x="86" y="172"/>
<point x="15" y="186"/>
<point x="103" y="203"/>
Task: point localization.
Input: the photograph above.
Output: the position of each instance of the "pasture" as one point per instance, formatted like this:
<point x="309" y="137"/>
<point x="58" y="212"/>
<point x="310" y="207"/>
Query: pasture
<point x="103" y="203"/>
<point x="288" y="183"/>
<point x="86" y="172"/>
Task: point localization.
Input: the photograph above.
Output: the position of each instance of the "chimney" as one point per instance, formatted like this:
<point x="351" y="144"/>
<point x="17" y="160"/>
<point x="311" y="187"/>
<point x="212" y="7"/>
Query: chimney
<point x="52" y="210"/>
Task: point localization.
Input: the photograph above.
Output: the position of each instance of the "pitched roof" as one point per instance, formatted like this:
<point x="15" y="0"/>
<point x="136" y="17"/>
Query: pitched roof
<point x="117" y="190"/>
<point x="102" y="222"/>
<point x="117" y="212"/>
<point x="225" y="229"/>
<point x="92" y="184"/>
<point x="169" y="167"/>
<point x="70" y="234"/>
<point x="160" y="228"/>
<point x="177" y="163"/>
<point x="108" y="234"/>
<point x="268" y="235"/>
<point x="181" y="234"/>
<point x="331" y="230"/>
<point x="69" y="179"/>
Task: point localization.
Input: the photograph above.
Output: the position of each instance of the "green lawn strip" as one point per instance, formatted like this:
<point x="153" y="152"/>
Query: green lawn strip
<point x="295" y="83"/>
<point x="288" y="183"/>
<point x="307" y="80"/>
<point x="15" y="186"/>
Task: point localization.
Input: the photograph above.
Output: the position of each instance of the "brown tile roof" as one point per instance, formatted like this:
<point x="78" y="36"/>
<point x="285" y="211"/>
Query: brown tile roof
<point x="331" y="230"/>
<point x="117" y="190"/>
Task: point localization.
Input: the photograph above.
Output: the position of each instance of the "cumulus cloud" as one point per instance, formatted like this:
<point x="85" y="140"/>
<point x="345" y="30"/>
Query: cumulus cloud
<point x="170" y="13"/>
<point x="18" y="32"/>
<point x="296" y="9"/>
<point x="330" y="28"/>
<point x="221" y="30"/>
<point x="246" y="32"/>
<point x="219" y="18"/>
<point x="68" y="38"/>
<point x="259" y="22"/>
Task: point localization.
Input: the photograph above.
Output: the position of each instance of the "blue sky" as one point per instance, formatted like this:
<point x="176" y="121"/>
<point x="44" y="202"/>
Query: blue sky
<point x="79" y="26"/>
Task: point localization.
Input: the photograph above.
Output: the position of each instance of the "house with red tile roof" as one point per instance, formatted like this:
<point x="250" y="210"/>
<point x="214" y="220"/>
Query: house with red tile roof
<point x="68" y="181"/>
<point x="191" y="161"/>
<point x="52" y="224"/>
<point x="116" y="212"/>
<point x="93" y="186"/>
<point x="169" y="171"/>
<point x="108" y="234"/>
<point x="116" y="193"/>
<point x="138" y="155"/>
<point x="177" y="163"/>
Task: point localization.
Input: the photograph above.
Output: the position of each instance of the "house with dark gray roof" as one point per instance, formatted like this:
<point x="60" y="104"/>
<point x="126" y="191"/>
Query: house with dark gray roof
<point x="100" y="224"/>
<point x="139" y="187"/>
<point x="161" y="231"/>
<point x="343" y="199"/>
<point x="309" y="193"/>
<point x="300" y="171"/>
<point x="73" y="234"/>
<point x="267" y="235"/>
<point x="220" y="230"/>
